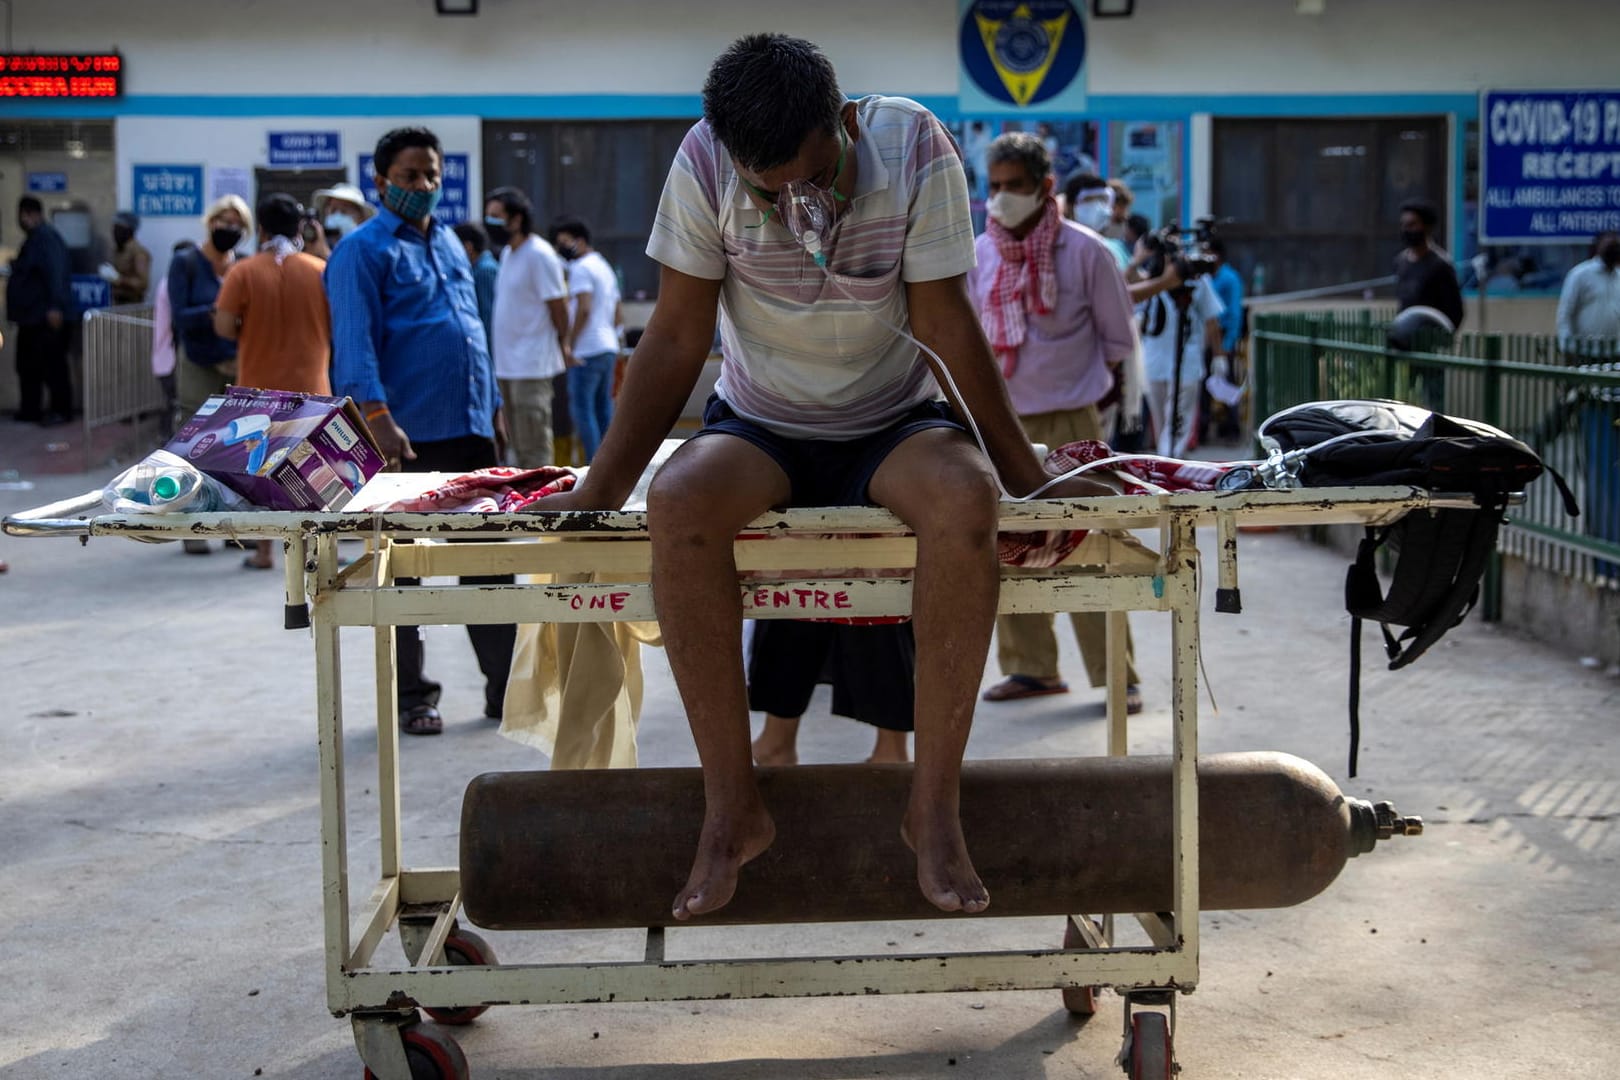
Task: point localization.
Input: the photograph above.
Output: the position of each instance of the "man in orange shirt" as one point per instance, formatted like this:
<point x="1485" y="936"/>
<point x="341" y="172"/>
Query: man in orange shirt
<point x="274" y="307"/>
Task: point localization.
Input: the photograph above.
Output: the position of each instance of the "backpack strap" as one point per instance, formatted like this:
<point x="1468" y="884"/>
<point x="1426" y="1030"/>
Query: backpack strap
<point x="1362" y="592"/>
<point x="1464" y="592"/>
<point x="1355" y="690"/>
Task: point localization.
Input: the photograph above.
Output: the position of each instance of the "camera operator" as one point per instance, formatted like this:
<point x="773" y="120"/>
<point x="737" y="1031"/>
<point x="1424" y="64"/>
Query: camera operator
<point x="1188" y="313"/>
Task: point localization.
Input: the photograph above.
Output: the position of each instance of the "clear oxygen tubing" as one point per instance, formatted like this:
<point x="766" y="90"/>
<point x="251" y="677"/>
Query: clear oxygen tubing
<point x="813" y="247"/>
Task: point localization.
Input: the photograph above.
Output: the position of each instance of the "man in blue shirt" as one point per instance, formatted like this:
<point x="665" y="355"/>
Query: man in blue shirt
<point x="408" y="345"/>
<point x="485" y="270"/>
<point x="1228" y="285"/>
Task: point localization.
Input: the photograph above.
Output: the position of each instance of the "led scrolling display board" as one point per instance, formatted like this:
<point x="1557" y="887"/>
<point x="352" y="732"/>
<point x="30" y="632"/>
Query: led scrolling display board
<point x="61" y="75"/>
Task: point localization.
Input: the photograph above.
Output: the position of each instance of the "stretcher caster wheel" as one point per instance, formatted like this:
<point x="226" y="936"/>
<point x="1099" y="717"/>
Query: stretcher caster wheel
<point x="1150" y="1047"/>
<point x="1079" y="1000"/>
<point x="464" y="948"/>
<point x="433" y="1055"/>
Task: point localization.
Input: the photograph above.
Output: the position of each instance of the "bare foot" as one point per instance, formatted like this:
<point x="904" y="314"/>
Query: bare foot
<point x="727" y="841"/>
<point x="778" y="742"/>
<point x="944" y="870"/>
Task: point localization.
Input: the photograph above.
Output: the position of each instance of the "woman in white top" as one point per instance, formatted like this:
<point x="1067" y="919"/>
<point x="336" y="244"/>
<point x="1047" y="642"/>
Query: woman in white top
<point x="594" y="324"/>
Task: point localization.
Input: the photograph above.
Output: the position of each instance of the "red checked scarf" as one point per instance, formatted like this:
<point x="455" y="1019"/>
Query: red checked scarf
<point x="1026" y="280"/>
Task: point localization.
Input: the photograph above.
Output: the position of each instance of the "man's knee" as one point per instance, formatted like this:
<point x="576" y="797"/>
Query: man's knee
<point x="693" y="503"/>
<point x="963" y="502"/>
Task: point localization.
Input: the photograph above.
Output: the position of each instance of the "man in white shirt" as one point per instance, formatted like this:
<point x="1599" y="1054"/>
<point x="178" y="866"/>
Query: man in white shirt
<point x="1173" y="402"/>
<point x="1589" y="305"/>
<point x="593" y="335"/>
<point x="819" y="403"/>
<point x="530" y="325"/>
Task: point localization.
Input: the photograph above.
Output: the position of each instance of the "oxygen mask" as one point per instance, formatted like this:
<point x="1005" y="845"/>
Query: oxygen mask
<point x="809" y="208"/>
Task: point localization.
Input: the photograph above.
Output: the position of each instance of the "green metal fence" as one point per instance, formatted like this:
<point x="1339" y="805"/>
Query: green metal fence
<point x="1565" y="403"/>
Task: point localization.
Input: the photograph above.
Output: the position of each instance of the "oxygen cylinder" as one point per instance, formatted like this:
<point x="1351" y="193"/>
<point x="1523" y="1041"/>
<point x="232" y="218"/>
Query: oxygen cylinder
<point x="596" y="849"/>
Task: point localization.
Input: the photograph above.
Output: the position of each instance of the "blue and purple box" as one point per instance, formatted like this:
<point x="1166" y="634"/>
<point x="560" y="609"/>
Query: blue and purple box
<point x="280" y="450"/>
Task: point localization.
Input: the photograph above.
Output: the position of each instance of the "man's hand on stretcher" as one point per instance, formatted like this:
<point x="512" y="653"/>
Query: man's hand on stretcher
<point x="1084" y="486"/>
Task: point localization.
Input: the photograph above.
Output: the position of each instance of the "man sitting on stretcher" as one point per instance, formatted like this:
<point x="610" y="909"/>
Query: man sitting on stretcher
<point x="808" y="223"/>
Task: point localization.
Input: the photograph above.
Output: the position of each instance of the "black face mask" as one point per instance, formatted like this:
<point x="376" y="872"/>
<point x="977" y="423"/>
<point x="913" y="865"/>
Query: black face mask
<point x="225" y="239"/>
<point x="567" y="251"/>
<point x="1610" y="254"/>
<point x="1413" y="237"/>
<point x="499" y="234"/>
<point x="122" y="237"/>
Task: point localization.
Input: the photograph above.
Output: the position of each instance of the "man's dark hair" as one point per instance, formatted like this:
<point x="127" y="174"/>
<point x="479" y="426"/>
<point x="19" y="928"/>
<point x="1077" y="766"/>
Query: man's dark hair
<point x="1082" y="182"/>
<point x="389" y="146"/>
<point x="1425" y="211"/>
<point x="1597" y="241"/>
<point x="766" y="94"/>
<point x="30" y="205"/>
<point x="1138" y="224"/>
<point x="571" y="224"/>
<point x="183" y="245"/>
<point x="473" y="235"/>
<point x="1023" y="147"/>
<point x="279" y="214"/>
<point x="514" y="201"/>
<point x="1217" y="246"/>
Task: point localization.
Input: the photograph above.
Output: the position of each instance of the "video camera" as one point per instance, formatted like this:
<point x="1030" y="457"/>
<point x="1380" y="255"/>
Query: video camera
<point x="1189" y="252"/>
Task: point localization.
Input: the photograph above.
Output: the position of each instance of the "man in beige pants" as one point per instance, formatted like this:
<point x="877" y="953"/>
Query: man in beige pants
<point x="1055" y="308"/>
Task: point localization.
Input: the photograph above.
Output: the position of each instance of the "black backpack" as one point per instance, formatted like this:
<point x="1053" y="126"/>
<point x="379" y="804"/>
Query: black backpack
<point x="1440" y="555"/>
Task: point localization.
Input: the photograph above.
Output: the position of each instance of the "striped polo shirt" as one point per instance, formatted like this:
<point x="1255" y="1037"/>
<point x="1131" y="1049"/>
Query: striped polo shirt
<point x="805" y="356"/>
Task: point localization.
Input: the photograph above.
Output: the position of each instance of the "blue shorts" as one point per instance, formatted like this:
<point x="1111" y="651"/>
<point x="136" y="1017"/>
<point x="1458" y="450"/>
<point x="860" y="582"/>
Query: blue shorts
<point x="828" y="472"/>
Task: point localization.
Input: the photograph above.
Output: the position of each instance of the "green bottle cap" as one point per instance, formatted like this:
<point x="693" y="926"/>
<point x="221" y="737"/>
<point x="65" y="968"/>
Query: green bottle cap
<point x="165" y="488"/>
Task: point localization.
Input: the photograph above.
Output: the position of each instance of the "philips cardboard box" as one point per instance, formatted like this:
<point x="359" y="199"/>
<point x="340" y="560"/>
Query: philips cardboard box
<point x="280" y="450"/>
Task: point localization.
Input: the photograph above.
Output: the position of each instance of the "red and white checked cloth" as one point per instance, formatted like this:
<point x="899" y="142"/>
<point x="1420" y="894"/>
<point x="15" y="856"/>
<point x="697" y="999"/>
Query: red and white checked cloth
<point x="499" y="490"/>
<point x="1026" y="280"/>
<point x="1135" y="475"/>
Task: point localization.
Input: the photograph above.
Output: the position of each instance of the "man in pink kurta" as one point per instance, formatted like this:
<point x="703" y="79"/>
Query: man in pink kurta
<point x="1054" y="306"/>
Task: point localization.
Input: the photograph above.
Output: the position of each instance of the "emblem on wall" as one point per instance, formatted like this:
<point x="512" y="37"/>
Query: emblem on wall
<point x="1021" y="54"/>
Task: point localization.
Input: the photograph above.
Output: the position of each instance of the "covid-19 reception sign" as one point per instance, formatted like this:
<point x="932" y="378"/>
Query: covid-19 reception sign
<point x="1549" y="165"/>
<point x="1021" y="57"/>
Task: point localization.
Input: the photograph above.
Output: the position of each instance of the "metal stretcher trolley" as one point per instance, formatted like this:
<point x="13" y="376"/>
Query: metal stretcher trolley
<point x="601" y="558"/>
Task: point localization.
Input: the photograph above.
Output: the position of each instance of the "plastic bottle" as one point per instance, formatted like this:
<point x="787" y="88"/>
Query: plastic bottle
<point x="162" y="483"/>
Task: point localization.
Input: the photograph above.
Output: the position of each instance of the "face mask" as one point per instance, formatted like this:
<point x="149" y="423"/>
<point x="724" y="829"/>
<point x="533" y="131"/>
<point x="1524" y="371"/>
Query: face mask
<point x="1610" y="254"/>
<point x="1413" y="237"/>
<point x="410" y="204"/>
<point x="1093" y="214"/>
<point x="225" y="239"/>
<point x="122" y="237"/>
<point x="567" y="251"/>
<point x="499" y="234"/>
<point x="1010" y="210"/>
<point x="339" y="223"/>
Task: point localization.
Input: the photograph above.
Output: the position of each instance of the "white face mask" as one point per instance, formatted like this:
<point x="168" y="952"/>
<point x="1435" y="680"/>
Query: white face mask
<point x="1093" y="214"/>
<point x="1010" y="210"/>
<point x="340" y="223"/>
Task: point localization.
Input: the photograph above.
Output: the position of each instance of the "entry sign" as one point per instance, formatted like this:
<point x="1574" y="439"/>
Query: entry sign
<point x="453" y="204"/>
<point x="89" y="291"/>
<point x="1549" y="165"/>
<point x="47" y="181"/>
<point x="168" y="190"/>
<point x="302" y="148"/>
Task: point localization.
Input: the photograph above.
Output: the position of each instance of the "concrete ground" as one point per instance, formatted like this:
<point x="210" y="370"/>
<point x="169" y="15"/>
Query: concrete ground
<point x="160" y="900"/>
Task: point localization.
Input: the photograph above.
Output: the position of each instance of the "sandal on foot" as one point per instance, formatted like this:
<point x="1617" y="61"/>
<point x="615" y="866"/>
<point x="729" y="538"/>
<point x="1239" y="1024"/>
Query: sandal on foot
<point x="421" y="720"/>
<point x="1014" y="687"/>
<point x="250" y="563"/>
<point x="1133" y="699"/>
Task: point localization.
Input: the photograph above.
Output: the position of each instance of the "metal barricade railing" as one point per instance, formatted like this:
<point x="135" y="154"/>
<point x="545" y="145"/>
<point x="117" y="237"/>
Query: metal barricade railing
<point x="1562" y="399"/>
<point x="119" y="387"/>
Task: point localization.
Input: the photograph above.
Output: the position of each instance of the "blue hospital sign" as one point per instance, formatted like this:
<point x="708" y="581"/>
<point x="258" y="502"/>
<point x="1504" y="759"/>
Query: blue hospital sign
<point x="453" y="204"/>
<point x="1549" y="165"/>
<point x="304" y="148"/>
<point x="168" y="190"/>
<point x="1021" y="56"/>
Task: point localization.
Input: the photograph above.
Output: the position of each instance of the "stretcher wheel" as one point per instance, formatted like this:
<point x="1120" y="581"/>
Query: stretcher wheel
<point x="1150" y="1046"/>
<point x="1079" y="1000"/>
<point x="433" y="1055"/>
<point x="464" y="948"/>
